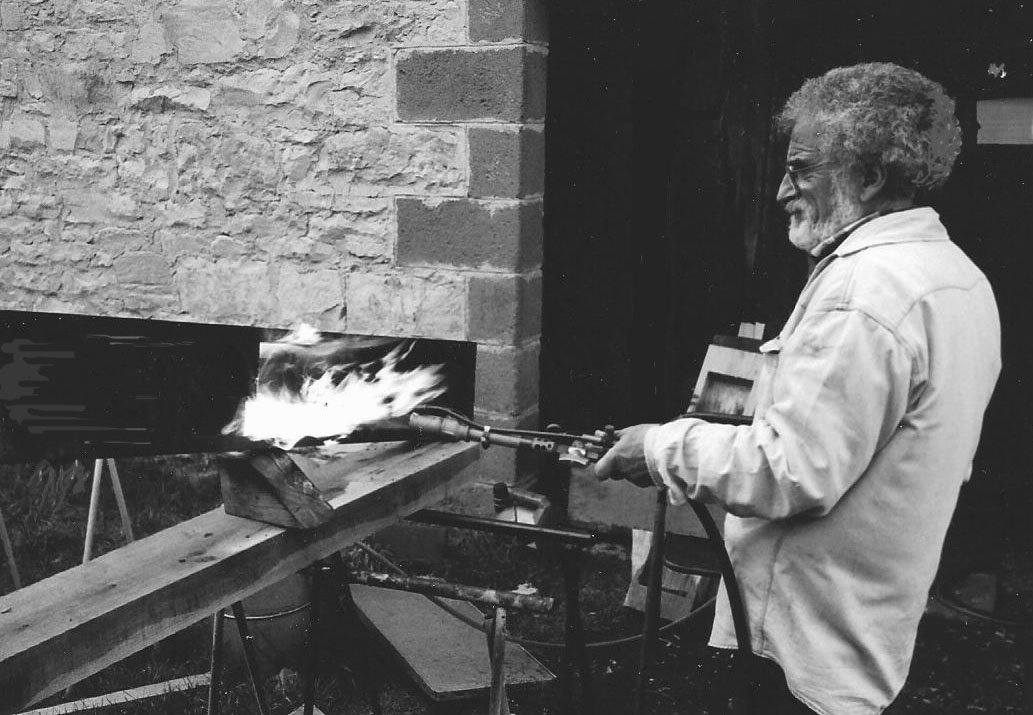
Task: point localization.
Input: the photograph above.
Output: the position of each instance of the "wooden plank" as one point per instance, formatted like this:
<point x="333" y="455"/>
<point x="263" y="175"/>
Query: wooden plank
<point x="1005" y="121"/>
<point x="448" y="659"/>
<point x="121" y="697"/>
<point x="677" y="590"/>
<point x="727" y="367"/>
<point x="68" y="627"/>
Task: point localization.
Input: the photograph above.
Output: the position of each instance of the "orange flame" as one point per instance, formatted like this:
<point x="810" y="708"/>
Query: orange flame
<point x="328" y="400"/>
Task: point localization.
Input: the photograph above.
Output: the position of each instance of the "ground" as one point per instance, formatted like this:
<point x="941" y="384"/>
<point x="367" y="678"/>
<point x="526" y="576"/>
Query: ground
<point x="962" y="664"/>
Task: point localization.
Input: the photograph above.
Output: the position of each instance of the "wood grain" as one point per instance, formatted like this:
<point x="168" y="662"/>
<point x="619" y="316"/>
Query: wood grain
<point x="71" y="625"/>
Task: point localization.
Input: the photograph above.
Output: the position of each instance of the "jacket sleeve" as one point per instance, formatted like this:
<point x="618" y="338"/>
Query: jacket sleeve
<point x="838" y="394"/>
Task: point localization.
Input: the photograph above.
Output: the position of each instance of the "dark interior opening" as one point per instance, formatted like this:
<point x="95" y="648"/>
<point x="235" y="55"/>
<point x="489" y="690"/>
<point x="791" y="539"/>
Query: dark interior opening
<point x="662" y="167"/>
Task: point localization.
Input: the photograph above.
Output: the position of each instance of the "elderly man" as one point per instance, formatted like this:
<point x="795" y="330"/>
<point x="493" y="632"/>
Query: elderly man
<point x="840" y="492"/>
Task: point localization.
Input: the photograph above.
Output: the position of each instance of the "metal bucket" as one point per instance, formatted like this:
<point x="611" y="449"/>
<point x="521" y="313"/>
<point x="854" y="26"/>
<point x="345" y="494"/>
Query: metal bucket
<point x="277" y="618"/>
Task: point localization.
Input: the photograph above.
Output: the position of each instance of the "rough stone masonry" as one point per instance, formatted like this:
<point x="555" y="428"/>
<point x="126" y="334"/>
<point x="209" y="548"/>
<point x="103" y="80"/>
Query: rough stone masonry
<point x="367" y="166"/>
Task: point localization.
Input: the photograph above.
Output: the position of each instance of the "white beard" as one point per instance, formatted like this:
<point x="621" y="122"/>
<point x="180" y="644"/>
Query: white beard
<point x="806" y="231"/>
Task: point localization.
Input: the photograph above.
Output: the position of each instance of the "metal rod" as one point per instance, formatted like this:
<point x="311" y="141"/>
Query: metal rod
<point x="576" y="656"/>
<point x="250" y="658"/>
<point x="498" y="703"/>
<point x="433" y="587"/>
<point x="9" y="552"/>
<point x="464" y="521"/>
<point x="215" y="682"/>
<point x="653" y="592"/>
<point x="318" y="575"/>
<point x="91" y="517"/>
<point x="120" y="500"/>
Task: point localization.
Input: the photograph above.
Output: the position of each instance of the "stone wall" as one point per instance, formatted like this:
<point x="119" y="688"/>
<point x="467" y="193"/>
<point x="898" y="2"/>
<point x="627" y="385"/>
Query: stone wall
<point x="367" y="166"/>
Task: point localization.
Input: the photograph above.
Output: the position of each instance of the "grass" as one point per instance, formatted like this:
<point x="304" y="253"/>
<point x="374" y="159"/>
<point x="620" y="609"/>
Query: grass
<point x="46" y="510"/>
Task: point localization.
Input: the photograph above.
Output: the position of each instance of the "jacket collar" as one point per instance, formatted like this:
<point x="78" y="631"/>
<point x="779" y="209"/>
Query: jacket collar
<point x="830" y="244"/>
<point x="908" y="226"/>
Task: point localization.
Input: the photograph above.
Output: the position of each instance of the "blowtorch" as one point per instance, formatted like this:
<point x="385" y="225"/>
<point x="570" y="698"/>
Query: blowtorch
<point x="582" y="449"/>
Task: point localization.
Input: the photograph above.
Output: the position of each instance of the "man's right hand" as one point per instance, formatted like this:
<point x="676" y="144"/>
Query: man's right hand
<point x="626" y="459"/>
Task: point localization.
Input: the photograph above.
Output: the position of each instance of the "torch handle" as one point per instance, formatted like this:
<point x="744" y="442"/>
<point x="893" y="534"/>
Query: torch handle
<point x="437" y="426"/>
<point x="580" y="449"/>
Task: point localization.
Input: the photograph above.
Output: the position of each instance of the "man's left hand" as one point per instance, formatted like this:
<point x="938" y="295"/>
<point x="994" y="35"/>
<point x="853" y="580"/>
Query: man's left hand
<point x="626" y="459"/>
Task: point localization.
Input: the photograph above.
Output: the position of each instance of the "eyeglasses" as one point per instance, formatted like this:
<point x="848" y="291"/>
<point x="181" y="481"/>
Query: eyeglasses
<point x="795" y="170"/>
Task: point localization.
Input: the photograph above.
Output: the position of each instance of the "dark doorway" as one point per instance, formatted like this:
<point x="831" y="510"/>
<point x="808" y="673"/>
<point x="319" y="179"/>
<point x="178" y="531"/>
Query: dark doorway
<point x="661" y="228"/>
<point x="656" y="170"/>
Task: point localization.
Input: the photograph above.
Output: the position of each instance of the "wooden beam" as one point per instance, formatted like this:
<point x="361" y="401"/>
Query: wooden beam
<point x="73" y="624"/>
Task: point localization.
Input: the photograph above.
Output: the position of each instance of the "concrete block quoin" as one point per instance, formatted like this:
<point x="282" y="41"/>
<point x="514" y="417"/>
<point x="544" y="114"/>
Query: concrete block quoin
<point x="506" y="161"/>
<point x="471" y="84"/>
<point x="506" y="381"/>
<point x="504" y="309"/>
<point x="502" y="236"/>
<point x="499" y="20"/>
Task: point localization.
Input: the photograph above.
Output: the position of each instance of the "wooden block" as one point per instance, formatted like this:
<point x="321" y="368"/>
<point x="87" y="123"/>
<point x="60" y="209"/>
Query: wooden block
<point x="273" y="487"/>
<point x="447" y="658"/>
<point x="247" y="495"/>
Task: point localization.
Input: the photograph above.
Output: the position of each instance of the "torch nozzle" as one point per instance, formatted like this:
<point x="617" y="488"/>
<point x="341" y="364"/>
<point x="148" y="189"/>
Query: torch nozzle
<point x="431" y="426"/>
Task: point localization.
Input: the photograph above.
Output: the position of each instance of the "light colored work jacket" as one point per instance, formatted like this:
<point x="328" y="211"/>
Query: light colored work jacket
<point x="841" y="491"/>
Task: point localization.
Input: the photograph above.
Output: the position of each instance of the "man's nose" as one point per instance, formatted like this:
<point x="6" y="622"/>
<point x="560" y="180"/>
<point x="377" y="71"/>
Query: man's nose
<point x="786" y="190"/>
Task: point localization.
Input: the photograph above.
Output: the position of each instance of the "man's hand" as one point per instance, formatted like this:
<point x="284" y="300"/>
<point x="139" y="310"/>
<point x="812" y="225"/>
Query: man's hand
<point x="627" y="458"/>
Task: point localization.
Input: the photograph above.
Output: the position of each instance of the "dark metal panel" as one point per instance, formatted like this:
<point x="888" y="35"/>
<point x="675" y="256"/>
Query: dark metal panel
<point x="92" y="386"/>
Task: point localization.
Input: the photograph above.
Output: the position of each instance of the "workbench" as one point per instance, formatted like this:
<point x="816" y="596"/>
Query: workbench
<point x="67" y="627"/>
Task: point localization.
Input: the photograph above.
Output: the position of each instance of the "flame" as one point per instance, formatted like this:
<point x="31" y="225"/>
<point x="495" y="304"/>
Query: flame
<point x="303" y="393"/>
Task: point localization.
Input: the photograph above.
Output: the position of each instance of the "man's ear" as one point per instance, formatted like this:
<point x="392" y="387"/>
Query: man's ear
<point x="873" y="181"/>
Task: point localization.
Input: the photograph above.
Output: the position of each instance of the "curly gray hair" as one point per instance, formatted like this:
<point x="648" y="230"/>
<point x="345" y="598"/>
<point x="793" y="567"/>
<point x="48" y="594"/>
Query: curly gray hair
<point x="882" y="114"/>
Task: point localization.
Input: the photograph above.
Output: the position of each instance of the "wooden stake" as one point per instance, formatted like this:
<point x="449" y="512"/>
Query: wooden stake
<point x="9" y="552"/>
<point x="91" y="518"/>
<point x="498" y="703"/>
<point x="120" y="499"/>
<point x="125" y="696"/>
